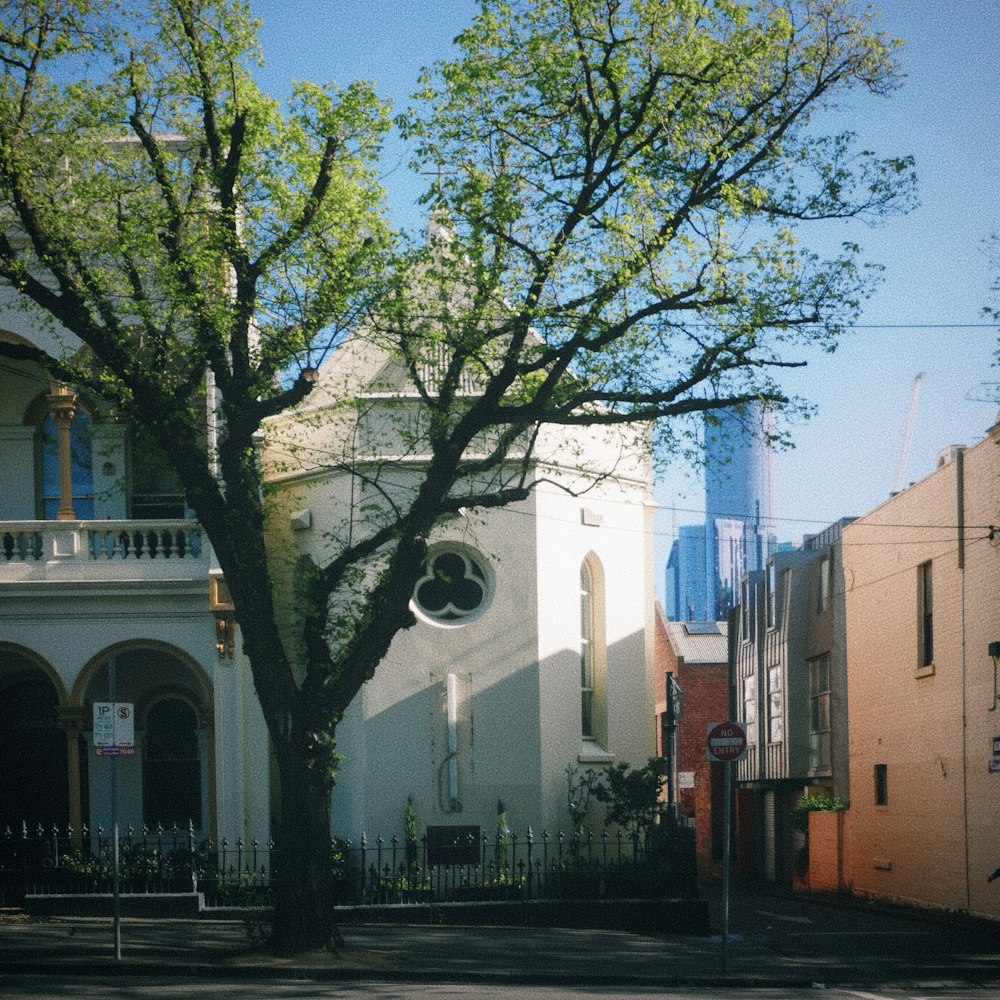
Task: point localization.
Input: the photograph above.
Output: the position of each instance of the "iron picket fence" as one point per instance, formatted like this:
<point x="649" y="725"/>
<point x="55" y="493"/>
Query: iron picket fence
<point x="41" y="860"/>
<point x="500" y="867"/>
<point x="470" y="866"/>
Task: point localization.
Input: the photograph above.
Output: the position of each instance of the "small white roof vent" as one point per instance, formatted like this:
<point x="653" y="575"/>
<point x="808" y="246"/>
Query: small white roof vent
<point x="946" y="455"/>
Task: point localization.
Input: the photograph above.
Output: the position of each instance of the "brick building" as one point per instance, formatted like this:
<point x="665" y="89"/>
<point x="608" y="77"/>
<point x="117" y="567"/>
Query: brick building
<point x="693" y="655"/>
<point x="922" y="590"/>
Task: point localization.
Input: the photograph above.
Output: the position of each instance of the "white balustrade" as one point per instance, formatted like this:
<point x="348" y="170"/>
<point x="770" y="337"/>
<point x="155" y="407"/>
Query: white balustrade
<point x="101" y="541"/>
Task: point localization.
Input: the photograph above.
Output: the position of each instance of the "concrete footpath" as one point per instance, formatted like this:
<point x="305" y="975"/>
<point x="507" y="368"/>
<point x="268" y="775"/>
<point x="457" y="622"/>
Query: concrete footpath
<point x="775" y="940"/>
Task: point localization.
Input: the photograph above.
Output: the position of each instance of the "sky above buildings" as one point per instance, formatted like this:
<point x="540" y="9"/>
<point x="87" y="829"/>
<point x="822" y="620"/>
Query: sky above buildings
<point x="927" y="314"/>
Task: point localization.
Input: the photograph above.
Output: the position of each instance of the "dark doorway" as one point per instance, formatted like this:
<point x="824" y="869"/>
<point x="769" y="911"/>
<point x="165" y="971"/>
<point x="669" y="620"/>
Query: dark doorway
<point x="171" y="779"/>
<point x="34" y="776"/>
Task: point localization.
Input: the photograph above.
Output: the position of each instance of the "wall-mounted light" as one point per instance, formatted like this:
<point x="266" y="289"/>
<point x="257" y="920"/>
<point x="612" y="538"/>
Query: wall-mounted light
<point x="225" y="636"/>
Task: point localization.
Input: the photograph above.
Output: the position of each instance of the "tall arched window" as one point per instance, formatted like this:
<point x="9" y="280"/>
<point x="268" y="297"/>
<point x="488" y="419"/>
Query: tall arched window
<point x="171" y="765"/>
<point x="81" y="467"/>
<point x="593" y="652"/>
<point x="64" y="459"/>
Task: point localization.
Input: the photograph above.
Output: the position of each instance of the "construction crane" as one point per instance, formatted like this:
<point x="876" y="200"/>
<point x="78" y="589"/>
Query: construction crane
<point x="907" y="439"/>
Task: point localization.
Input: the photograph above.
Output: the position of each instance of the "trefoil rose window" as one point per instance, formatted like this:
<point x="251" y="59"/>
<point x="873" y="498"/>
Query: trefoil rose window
<point x="454" y="587"/>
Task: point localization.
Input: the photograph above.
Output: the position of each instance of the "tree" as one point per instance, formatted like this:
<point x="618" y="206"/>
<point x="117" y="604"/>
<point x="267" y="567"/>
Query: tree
<point x="616" y="215"/>
<point x="632" y="795"/>
<point x="991" y="246"/>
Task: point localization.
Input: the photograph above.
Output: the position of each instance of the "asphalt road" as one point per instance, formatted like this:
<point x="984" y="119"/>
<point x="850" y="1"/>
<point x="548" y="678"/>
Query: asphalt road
<point x="58" y="988"/>
<point x="783" y="942"/>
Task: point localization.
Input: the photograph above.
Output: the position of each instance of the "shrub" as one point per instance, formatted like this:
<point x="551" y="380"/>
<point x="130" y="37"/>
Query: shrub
<point x="632" y="794"/>
<point x="818" y="802"/>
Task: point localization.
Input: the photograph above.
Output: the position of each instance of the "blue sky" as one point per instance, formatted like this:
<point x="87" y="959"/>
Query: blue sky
<point x="936" y="280"/>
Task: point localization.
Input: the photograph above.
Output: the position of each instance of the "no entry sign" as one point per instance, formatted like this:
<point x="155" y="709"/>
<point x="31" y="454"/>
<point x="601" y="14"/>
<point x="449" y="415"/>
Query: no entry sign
<point x="727" y="741"/>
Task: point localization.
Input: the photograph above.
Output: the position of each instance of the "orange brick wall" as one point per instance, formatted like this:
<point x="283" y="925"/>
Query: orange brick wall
<point x="934" y="729"/>
<point x="826" y="860"/>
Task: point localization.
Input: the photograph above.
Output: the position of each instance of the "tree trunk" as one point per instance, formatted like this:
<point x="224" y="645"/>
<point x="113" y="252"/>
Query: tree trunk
<point x="302" y="876"/>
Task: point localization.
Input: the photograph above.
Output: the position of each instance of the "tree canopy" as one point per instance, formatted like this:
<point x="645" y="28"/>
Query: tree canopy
<point x="633" y="179"/>
<point x="622" y="189"/>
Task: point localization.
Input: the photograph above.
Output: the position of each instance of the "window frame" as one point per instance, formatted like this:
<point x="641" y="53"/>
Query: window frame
<point x="593" y="653"/>
<point x="825" y="588"/>
<point x="475" y="567"/>
<point x="749" y="694"/>
<point x="925" y="617"/>
<point x="820" y="704"/>
<point x="880" y="778"/>
<point x="775" y="704"/>
<point x="772" y="595"/>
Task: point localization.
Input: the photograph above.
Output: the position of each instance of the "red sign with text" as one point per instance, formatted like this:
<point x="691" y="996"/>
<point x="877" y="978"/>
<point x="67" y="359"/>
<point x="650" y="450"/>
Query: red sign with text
<point x="727" y="741"/>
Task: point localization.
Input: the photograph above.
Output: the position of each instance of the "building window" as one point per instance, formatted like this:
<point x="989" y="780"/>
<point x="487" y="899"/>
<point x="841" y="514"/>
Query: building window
<point x="454" y="588"/>
<point x="750" y="707"/>
<point x="745" y="633"/>
<point x="825" y="577"/>
<point x="775" y="705"/>
<point x="171" y="766"/>
<point x="81" y="466"/>
<point x="881" y="784"/>
<point x="772" y="595"/>
<point x="819" y="713"/>
<point x="156" y="489"/>
<point x="593" y="652"/>
<point x="925" y="602"/>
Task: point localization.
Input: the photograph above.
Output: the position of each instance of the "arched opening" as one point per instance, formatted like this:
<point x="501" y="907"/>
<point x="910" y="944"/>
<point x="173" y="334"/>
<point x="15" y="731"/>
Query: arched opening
<point x="171" y="765"/>
<point x="167" y="780"/>
<point x="34" y="774"/>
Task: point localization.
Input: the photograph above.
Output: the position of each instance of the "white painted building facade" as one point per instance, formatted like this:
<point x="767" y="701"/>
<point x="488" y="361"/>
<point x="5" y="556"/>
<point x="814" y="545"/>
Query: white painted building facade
<point x="112" y="581"/>
<point x="484" y="706"/>
<point x="468" y="712"/>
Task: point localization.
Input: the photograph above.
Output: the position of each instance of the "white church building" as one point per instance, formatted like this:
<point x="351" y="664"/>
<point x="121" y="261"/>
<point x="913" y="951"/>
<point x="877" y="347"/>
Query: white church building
<point x="535" y="658"/>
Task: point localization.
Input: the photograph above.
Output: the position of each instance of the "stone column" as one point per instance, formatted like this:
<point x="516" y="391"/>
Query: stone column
<point x="73" y="720"/>
<point x="62" y="406"/>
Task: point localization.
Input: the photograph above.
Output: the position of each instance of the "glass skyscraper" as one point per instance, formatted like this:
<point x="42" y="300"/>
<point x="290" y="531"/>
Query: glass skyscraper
<point x="739" y="534"/>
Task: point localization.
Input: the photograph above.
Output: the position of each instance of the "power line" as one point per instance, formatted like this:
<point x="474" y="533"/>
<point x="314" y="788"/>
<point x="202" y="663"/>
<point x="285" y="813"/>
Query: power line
<point x="856" y="586"/>
<point x="925" y="326"/>
<point x="829" y="521"/>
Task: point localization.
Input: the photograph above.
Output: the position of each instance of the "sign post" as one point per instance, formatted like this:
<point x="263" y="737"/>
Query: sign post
<point x="114" y="737"/>
<point x="727" y="743"/>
